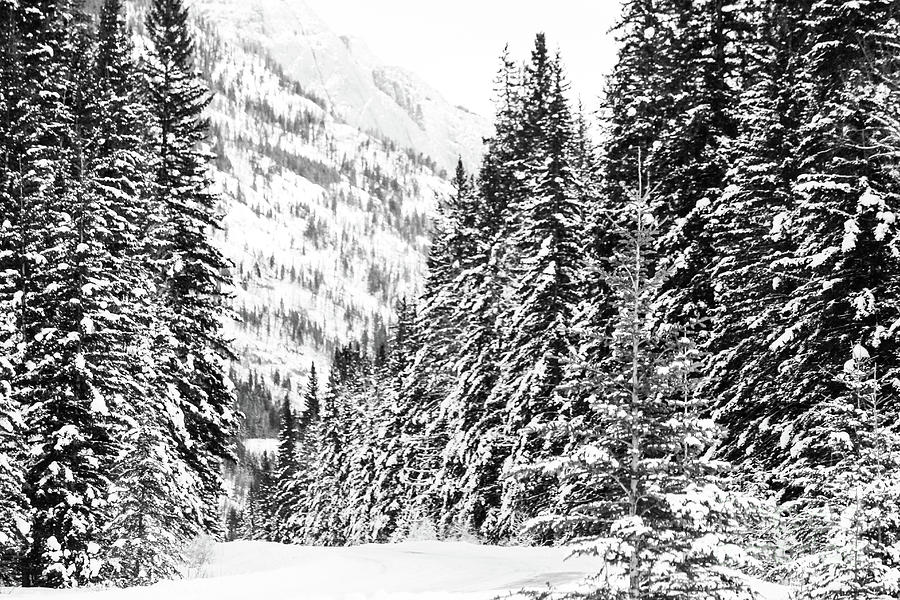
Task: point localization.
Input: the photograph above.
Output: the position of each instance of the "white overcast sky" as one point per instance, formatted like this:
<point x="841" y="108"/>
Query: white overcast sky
<point x="455" y="44"/>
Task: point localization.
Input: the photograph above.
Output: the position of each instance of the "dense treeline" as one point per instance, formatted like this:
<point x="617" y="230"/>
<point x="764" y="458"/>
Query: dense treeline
<point x="603" y="327"/>
<point x="115" y="409"/>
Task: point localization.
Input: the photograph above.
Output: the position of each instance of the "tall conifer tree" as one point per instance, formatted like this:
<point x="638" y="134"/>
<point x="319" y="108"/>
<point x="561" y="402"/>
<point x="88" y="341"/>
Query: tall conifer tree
<point x="641" y="489"/>
<point x="284" y="495"/>
<point x="474" y="434"/>
<point x="194" y="271"/>
<point x="749" y="224"/>
<point x="64" y="291"/>
<point x="549" y="265"/>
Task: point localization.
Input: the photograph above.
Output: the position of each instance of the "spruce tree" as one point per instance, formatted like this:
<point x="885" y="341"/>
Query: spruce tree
<point x="310" y="400"/>
<point x="475" y="436"/>
<point x="154" y="514"/>
<point x="15" y="526"/>
<point x="391" y="493"/>
<point x="193" y="270"/>
<point x="673" y="93"/>
<point x="12" y="506"/>
<point x="637" y="105"/>
<point x="359" y="469"/>
<point x="749" y="225"/>
<point x="284" y="499"/>
<point x="71" y="370"/>
<point x="258" y="505"/>
<point x="295" y="494"/>
<point x="842" y="262"/>
<point x="287" y="440"/>
<point x="688" y="158"/>
<point x="418" y="410"/>
<point x="549" y="266"/>
<point x="640" y="487"/>
<point x="417" y="397"/>
<point x="325" y="502"/>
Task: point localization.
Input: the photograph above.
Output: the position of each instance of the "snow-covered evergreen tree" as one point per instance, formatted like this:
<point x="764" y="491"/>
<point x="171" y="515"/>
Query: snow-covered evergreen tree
<point x="637" y="104"/>
<point x="702" y="66"/>
<point x="549" y="266"/>
<point x="70" y="368"/>
<point x="391" y="490"/>
<point x="12" y="506"/>
<point x="474" y="431"/>
<point x="15" y="526"/>
<point x="842" y="263"/>
<point x="194" y="271"/>
<point x="310" y="400"/>
<point x="364" y="399"/>
<point x="428" y="349"/>
<point x="259" y="507"/>
<point x="749" y="227"/>
<point x="295" y="488"/>
<point x="641" y="488"/>
<point x="155" y="512"/>
<point x="325" y="506"/>
<point x="285" y="488"/>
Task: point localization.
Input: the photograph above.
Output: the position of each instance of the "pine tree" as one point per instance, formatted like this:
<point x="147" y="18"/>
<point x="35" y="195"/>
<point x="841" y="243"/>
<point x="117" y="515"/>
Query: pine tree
<point x="688" y="159"/>
<point x="842" y="263"/>
<point x="71" y="371"/>
<point x="154" y="514"/>
<point x="751" y="238"/>
<point x="12" y="506"/>
<point x="233" y="524"/>
<point x="637" y="104"/>
<point x="258" y="506"/>
<point x="194" y="271"/>
<point x="325" y="504"/>
<point x="14" y="526"/>
<point x="358" y="469"/>
<point x="108" y="494"/>
<point x="310" y="400"/>
<point x="263" y="500"/>
<point x="417" y="395"/>
<point x="285" y="502"/>
<point x="287" y="440"/>
<point x="397" y="503"/>
<point x="295" y="494"/>
<point x="451" y="285"/>
<point x="549" y="267"/>
<point x="475" y="427"/>
<point x="640" y="489"/>
<point x="673" y="93"/>
<point x="250" y="521"/>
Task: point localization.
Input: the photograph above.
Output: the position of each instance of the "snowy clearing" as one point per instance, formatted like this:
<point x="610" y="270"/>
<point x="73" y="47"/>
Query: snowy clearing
<point x="421" y="570"/>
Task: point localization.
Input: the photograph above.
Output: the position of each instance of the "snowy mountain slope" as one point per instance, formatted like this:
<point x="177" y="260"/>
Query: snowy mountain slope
<point x="421" y="570"/>
<point x="326" y="224"/>
<point x="357" y="88"/>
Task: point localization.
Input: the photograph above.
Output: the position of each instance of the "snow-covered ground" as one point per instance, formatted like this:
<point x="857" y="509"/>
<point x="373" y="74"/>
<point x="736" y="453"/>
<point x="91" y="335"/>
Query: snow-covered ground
<point x="411" y="570"/>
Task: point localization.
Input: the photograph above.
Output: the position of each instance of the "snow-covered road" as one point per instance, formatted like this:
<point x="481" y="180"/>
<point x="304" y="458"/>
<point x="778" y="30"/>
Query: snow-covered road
<point x="407" y="571"/>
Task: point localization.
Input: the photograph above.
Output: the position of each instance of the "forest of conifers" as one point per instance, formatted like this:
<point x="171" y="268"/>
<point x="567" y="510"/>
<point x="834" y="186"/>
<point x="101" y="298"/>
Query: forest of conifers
<point x="676" y="346"/>
<point x="665" y="332"/>
<point x="115" y="409"/>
